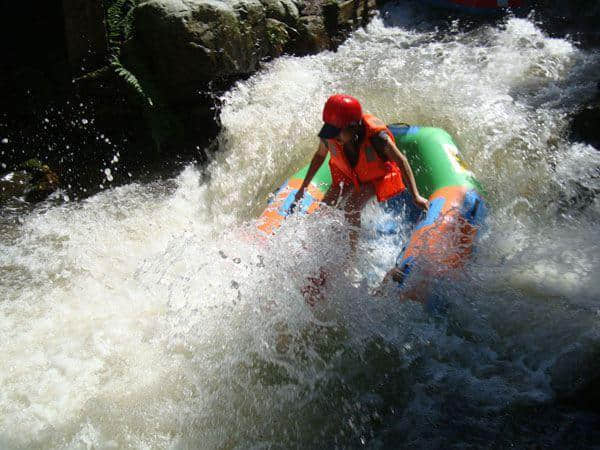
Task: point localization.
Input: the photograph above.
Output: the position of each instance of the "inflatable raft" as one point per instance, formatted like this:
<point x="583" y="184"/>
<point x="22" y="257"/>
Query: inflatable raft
<point x="442" y="240"/>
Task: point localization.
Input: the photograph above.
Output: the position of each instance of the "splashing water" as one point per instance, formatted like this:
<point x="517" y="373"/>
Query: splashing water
<point x="150" y="316"/>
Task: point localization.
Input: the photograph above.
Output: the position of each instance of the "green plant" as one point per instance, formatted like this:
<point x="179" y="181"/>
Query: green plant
<point x="119" y="18"/>
<point x="131" y="81"/>
<point x="119" y="23"/>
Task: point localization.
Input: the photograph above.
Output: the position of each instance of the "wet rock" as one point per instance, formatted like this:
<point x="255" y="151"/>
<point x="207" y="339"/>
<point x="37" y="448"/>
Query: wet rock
<point x="313" y="36"/>
<point x="574" y="9"/>
<point x="189" y="46"/>
<point x="576" y="377"/>
<point x="33" y="181"/>
<point x="183" y="54"/>
<point x="42" y="182"/>
<point x="85" y="34"/>
<point x="285" y="11"/>
<point x="586" y="124"/>
<point x="578" y="19"/>
<point x="277" y="35"/>
<point x="339" y="14"/>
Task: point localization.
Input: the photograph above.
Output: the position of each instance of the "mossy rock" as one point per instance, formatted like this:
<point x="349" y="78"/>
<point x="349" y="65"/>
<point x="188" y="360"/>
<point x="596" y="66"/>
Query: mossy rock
<point x="285" y="11"/>
<point x="33" y="180"/>
<point x="277" y="35"/>
<point x="187" y="44"/>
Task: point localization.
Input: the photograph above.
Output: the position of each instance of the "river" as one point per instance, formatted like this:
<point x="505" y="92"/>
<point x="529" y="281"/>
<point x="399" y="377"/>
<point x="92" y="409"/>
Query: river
<point x="149" y="316"/>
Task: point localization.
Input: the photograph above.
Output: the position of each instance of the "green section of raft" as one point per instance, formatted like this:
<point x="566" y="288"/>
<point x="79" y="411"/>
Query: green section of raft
<point x="434" y="158"/>
<point x="432" y="154"/>
<point x="322" y="179"/>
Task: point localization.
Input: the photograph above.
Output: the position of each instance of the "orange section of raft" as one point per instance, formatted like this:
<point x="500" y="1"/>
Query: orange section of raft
<point x="444" y="246"/>
<point x="448" y="242"/>
<point x="272" y="218"/>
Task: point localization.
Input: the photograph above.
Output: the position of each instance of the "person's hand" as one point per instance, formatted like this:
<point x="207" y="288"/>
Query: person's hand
<point x="422" y="202"/>
<point x="394" y="274"/>
<point x="297" y="198"/>
<point x="299" y="195"/>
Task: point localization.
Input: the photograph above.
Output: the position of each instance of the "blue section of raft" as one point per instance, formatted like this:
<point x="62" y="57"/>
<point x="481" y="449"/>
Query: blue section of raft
<point x="288" y="206"/>
<point x="307" y="200"/>
<point x="400" y="129"/>
<point x="473" y="211"/>
<point x="433" y="214"/>
<point x="399" y="206"/>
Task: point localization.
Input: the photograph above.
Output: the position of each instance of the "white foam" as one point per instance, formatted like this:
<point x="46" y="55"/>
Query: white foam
<point x="148" y="315"/>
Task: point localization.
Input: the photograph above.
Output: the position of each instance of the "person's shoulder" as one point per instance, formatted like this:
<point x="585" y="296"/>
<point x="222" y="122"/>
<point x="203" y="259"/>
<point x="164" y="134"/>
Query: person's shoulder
<point x="380" y="140"/>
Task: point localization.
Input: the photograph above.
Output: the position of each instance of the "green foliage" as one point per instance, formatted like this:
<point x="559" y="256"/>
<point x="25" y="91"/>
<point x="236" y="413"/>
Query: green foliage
<point x="119" y="19"/>
<point x="119" y="23"/>
<point x="119" y="16"/>
<point x="32" y="164"/>
<point x="277" y="34"/>
<point x="131" y="81"/>
<point x="162" y="123"/>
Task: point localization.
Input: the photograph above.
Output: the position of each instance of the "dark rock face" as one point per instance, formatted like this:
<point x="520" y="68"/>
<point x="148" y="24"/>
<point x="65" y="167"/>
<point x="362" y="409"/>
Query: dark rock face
<point x="578" y="18"/>
<point x="575" y="378"/>
<point x="85" y="34"/>
<point x="33" y="182"/>
<point x="186" y="44"/>
<point x="38" y="65"/>
<point x="184" y="53"/>
<point x="140" y="79"/>
<point x="586" y="126"/>
<point x="159" y="66"/>
<point x="586" y="123"/>
<point x="190" y="46"/>
<point x="576" y="10"/>
<point x="46" y="43"/>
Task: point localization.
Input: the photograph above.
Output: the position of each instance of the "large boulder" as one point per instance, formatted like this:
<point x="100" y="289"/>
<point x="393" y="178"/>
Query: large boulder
<point x="575" y="376"/>
<point x="85" y="34"/>
<point x="182" y="54"/>
<point x="576" y="18"/>
<point x="575" y="9"/>
<point x="33" y="181"/>
<point x="285" y="11"/>
<point x="187" y="44"/>
<point x="585" y="126"/>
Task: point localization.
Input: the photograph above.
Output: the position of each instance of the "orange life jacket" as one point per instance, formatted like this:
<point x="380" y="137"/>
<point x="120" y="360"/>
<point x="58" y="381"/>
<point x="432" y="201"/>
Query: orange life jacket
<point x="370" y="167"/>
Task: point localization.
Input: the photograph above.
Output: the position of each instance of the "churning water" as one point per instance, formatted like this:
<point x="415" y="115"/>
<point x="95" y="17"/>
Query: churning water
<point x="150" y="316"/>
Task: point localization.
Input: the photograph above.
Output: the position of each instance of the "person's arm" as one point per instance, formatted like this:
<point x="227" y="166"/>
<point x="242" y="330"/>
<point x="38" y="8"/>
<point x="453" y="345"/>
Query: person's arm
<point x="353" y="210"/>
<point x="395" y="155"/>
<point x="315" y="164"/>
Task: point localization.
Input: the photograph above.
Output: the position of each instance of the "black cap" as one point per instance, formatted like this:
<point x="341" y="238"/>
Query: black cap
<point x="329" y="131"/>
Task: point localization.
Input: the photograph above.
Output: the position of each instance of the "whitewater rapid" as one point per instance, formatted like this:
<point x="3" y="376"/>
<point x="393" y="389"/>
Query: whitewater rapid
<point x="150" y="316"/>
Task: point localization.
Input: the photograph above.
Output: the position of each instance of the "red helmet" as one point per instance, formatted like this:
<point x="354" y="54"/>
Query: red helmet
<point x="340" y="111"/>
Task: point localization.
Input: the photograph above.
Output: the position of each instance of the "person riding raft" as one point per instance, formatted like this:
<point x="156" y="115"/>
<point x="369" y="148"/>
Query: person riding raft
<point x="363" y="155"/>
